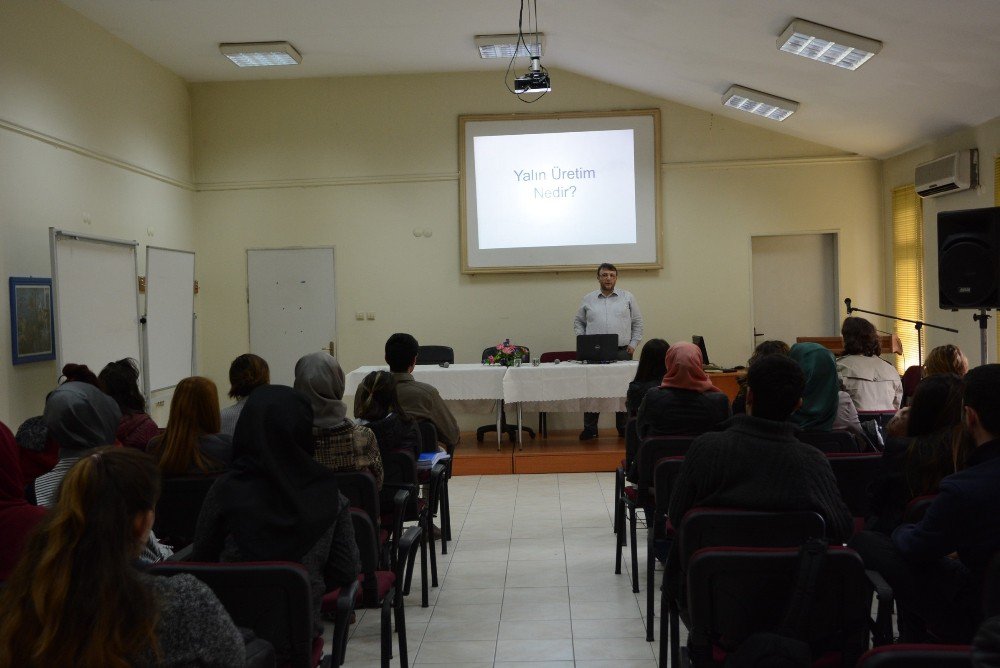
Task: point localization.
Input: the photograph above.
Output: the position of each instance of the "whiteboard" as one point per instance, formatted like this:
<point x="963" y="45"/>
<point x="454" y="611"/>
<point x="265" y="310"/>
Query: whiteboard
<point x="169" y="317"/>
<point x="291" y="303"/>
<point x="96" y="291"/>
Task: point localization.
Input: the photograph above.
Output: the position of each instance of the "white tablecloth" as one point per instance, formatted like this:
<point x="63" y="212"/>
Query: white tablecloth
<point x="468" y="388"/>
<point x="569" y="387"/>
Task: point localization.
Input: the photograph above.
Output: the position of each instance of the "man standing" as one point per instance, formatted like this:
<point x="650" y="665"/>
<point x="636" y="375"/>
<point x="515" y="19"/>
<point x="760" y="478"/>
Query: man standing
<point x="419" y="400"/>
<point x="609" y="311"/>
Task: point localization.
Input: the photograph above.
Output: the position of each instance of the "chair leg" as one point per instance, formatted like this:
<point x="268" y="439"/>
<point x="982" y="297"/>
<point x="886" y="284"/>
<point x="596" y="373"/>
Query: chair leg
<point x="662" y="659"/>
<point x="386" y="631"/>
<point x="650" y="610"/>
<point x="620" y="539"/>
<point x="445" y="514"/>
<point x="432" y="548"/>
<point x="675" y="633"/>
<point x="634" y="548"/>
<point x="424" y="602"/>
<point x="401" y="634"/>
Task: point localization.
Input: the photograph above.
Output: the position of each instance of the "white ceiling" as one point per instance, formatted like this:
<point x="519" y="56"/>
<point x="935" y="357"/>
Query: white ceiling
<point x="938" y="70"/>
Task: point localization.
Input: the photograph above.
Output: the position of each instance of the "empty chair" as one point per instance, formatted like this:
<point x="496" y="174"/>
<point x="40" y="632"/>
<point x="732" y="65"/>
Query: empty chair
<point x="435" y="355"/>
<point x="509" y="429"/>
<point x="711" y="527"/>
<point x="272" y="599"/>
<point x="651" y="450"/>
<point x="177" y="510"/>
<point x="735" y="592"/>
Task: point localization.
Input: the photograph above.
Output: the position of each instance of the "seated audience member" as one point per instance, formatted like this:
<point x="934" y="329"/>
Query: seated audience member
<point x="649" y="374"/>
<point x="756" y="463"/>
<point x="340" y="444"/>
<point x="873" y="383"/>
<point x="940" y="597"/>
<point x="934" y="447"/>
<point x="76" y="597"/>
<point x="79" y="417"/>
<point x="277" y="503"/>
<point x="17" y="516"/>
<point x="420" y="400"/>
<point x="376" y="406"/>
<point x="192" y="444"/>
<point x="686" y="402"/>
<point x="120" y="380"/>
<point x="947" y="359"/>
<point x="245" y="373"/>
<point x="824" y="405"/>
<point x="39" y="450"/>
<point x="773" y="347"/>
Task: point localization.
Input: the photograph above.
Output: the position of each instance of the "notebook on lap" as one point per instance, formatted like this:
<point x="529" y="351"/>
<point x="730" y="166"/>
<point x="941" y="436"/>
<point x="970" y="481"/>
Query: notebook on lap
<point x="597" y="348"/>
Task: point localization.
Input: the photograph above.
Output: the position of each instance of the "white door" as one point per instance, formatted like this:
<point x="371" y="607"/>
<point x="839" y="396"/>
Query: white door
<point x="292" y="306"/>
<point x="795" y="286"/>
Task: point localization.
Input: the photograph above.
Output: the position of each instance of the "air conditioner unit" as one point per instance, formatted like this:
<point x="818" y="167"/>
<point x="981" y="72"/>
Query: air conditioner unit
<point x="948" y="174"/>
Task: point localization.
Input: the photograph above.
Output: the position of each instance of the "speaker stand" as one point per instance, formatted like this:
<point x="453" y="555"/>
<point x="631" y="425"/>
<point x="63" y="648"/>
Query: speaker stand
<point x="982" y="318"/>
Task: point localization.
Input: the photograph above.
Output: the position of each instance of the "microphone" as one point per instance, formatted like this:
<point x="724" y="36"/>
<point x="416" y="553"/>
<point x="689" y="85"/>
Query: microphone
<point x="847" y="302"/>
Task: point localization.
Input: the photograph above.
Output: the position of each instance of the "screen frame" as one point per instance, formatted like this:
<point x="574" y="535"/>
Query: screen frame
<point x="627" y="118"/>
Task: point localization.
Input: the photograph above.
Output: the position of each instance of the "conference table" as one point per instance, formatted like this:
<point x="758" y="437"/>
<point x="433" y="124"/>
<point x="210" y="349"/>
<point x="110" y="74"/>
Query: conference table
<point x="564" y="387"/>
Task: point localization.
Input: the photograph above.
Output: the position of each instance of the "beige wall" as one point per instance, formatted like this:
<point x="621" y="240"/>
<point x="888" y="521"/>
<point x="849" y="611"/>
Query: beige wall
<point x="90" y="128"/>
<point x="899" y="171"/>
<point x="359" y="162"/>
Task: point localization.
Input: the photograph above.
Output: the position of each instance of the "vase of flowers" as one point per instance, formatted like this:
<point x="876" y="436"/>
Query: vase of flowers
<point x="506" y="354"/>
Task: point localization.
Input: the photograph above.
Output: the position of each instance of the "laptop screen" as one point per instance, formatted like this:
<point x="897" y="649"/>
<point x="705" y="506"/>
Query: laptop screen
<point x="700" y="342"/>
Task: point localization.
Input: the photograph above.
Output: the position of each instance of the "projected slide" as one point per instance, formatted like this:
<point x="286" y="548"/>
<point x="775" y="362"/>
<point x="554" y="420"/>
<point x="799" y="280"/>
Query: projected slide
<point x="560" y="192"/>
<point x="545" y="190"/>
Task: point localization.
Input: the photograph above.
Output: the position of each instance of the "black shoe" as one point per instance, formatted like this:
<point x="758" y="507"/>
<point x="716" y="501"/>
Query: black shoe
<point x="587" y="435"/>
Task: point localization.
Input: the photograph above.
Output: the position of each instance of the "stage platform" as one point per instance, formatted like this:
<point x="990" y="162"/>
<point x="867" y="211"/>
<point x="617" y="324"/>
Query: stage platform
<point x="560" y="452"/>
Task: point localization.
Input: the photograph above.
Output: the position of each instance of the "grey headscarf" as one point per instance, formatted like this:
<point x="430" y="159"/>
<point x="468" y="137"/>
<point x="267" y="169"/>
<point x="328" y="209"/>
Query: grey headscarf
<point x="320" y="378"/>
<point x="79" y="416"/>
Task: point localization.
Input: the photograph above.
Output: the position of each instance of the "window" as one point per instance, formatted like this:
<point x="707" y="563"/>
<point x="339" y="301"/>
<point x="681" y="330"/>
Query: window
<point x="908" y="265"/>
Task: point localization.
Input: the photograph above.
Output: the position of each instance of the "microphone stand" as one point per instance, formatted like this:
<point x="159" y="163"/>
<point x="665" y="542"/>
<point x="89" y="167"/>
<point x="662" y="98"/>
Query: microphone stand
<point x="917" y="325"/>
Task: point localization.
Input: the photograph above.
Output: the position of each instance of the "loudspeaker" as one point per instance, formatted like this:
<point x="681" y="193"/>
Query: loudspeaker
<point x="969" y="258"/>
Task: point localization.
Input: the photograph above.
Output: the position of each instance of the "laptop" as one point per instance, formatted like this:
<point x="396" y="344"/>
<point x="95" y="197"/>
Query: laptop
<point x="597" y="348"/>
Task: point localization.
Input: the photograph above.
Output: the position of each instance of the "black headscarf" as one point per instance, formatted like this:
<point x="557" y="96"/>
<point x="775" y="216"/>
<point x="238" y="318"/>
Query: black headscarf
<point x="277" y="499"/>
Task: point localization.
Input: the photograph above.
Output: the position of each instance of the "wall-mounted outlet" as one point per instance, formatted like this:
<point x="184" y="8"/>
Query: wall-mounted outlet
<point x="360" y="315"/>
<point x="371" y="315"/>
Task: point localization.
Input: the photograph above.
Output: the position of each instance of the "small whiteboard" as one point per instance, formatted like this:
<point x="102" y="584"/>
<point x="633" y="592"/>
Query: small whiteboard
<point x="169" y="317"/>
<point x="95" y="284"/>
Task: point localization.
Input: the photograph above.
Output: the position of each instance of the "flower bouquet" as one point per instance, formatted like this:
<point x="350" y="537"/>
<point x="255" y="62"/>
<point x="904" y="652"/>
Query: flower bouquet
<point x="506" y="354"/>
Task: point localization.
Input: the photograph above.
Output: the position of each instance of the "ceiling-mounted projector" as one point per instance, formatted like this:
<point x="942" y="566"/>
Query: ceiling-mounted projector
<point x="535" y="81"/>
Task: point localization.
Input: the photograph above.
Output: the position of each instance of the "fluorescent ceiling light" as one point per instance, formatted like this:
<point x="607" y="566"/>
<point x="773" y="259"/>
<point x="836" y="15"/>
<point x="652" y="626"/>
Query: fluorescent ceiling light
<point x="261" y="54"/>
<point x="756" y="102"/>
<point x="502" y="46"/>
<point x="827" y="45"/>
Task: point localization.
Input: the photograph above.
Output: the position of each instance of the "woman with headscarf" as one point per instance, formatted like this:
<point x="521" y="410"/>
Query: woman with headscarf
<point x="686" y="402"/>
<point x="276" y="503"/>
<point x="341" y="445"/>
<point x="824" y="405"/>
<point x="79" y="417"/>
<point x="17" y="516"/>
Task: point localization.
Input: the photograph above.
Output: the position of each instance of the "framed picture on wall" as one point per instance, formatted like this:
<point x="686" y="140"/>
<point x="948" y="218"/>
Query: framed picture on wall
<point x="32" y="328"/>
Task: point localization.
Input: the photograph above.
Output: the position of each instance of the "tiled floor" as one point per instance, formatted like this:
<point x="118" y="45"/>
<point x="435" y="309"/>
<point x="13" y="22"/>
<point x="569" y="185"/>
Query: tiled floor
<point x="528" y="581"/>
